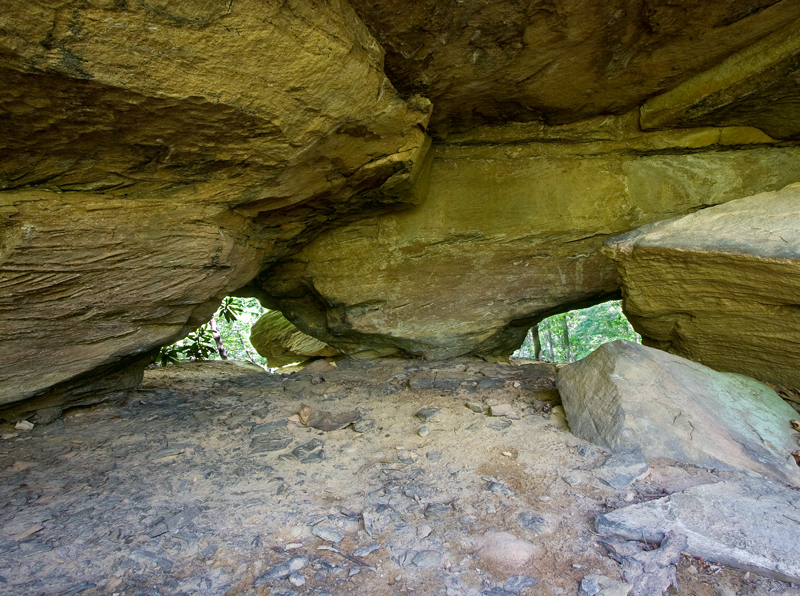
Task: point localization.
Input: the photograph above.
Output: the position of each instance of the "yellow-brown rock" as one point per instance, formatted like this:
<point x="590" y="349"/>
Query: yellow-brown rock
<point x="155" y="156"/>
<point x="281" y="343"/>
<point x="720" y="286"/>
<point x="509" y="233"/>
<point x="757" y="86"/>
<point x="490" y="61"/>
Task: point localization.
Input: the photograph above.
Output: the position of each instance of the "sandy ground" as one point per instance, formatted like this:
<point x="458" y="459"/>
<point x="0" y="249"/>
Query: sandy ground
<point x="202" y="482"/>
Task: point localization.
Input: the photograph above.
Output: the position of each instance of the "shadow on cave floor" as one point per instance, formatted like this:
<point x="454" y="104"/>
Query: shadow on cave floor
<point x="202" y="482"/>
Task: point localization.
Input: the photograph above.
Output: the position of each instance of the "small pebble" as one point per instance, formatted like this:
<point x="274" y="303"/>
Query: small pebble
<point x="427" y="558"/>
<point x="366" y="550"/>
<point x="475" y="407"/>
<point x="363" y="425"/>
<point x="297" y="580"/>
<point x="24" y="425"/>
<point x="506" y="410"/>
<point x="517" y="583"/>
<point x="426" y="414"/>
<point x="327" y="534"/>
<point x="436" y="510"/>
<point x="423" y="431"/>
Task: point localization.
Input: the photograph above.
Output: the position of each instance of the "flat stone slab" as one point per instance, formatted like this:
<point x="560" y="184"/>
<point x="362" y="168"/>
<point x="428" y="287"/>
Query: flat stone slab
<point x="623" y="468"/>
<point x="751" y="524"/>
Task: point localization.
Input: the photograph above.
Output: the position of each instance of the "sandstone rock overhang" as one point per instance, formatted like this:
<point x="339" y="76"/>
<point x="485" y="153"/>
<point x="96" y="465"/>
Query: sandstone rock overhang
<point x="491" y="61"/>
<point x="508" y="234"/>
<point x="757" y="85"/>
<point x="155" y="157"/>
<point x="720" y="286"/>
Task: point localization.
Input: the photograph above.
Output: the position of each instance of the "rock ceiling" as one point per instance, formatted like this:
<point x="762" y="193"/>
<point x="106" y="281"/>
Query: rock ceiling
<point x="157" y="156"/>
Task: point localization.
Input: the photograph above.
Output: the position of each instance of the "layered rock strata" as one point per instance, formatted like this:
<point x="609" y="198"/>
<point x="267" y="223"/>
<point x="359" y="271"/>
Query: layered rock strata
<point x="757" y="86"/>
<point x="490" y="61"/>
<point x="510" y="233"/>
<point x="721" y="286"/>
<point x="155" y="156"/>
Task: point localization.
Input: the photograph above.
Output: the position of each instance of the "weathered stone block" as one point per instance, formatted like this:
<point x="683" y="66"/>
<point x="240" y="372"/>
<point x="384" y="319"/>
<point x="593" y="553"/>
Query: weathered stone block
<point x="720" y="286"/>
<point x="281" y="343"/>
<point x="508" y="234"/>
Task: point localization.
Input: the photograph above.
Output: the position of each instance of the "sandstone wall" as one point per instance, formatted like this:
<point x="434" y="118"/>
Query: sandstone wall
<point x="157" y="156"/>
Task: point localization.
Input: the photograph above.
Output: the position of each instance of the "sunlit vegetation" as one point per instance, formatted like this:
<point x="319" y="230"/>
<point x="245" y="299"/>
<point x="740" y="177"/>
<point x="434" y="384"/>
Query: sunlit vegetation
<point x="574" y="335"/>
<point x="225" y="336"/>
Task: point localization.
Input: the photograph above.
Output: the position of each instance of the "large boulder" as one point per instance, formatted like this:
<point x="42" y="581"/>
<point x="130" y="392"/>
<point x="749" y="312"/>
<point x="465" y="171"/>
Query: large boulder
<point x="511" y="231"/>
<point x="720" y="286"/>
<point x="627" y="397"/>
<point x="155" y="156"/>
<point x="281" y="343"/>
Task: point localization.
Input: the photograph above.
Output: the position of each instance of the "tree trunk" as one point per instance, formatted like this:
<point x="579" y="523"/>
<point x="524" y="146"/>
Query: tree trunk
<point x="244" y="347"/>
<point x="565" y="336"/>
<point x="550" y="345"/>
<point x="537" y="342"/>
<point x="218" y="338"/>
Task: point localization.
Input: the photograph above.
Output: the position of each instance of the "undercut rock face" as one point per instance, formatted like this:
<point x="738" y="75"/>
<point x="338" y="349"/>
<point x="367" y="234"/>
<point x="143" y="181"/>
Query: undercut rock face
<point x="490" y="61"/>
<point x="721" y="286"/>
<point x="508" y="234"/>
<point x="155" y="157"/>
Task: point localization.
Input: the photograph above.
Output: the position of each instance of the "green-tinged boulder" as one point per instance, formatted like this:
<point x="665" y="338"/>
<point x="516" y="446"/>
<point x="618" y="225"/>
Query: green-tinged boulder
<point x="630" y="398"/>
<point x="281" y="343"/>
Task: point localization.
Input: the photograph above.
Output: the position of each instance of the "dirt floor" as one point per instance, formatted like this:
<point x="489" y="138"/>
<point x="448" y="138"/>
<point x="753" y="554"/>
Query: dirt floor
<point x="205" y="482"/>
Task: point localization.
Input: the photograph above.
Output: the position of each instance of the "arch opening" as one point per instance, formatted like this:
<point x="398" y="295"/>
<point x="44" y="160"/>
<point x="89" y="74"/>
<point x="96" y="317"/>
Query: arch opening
<point x="572" y="335"/>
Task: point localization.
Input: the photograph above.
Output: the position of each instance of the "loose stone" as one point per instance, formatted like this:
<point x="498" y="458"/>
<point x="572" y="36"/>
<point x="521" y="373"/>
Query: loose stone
<point x="426" y="414"/>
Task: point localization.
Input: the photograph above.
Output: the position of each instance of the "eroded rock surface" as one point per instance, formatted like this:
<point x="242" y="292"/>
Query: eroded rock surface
<point x="509" y="234"/>
<point x="157" y="156"/>
<point x="485" y="61"/>
<point x="720" y="286"/>
<point x="281" y="343"/>
<point x="154" y="157"/>
<point x="756" y="86"/>
<point x="628" y="397"/>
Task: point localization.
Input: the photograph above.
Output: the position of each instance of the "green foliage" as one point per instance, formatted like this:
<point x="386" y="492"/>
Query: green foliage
<point x="234" y="319"/>
<point x="587" y="329"/>
<point x="235" y="332"/>
<point x="230" y="309"/>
